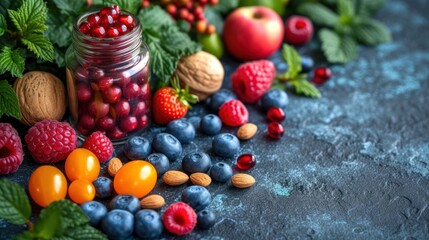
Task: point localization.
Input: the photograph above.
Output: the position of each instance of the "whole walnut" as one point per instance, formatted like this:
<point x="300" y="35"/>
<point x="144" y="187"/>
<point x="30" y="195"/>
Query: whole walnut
<point x="202" y="72"/>
<point x="41" y="95"/>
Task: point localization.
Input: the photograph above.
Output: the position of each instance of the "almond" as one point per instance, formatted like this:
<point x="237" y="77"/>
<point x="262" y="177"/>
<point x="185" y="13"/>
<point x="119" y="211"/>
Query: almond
<point x="154" y="201"/>
<point x="114" y="165"/>
<point x="247" y="131"/>
<point x="242" y="180"/>
<point x="201" y="179"/>
<point x="175" y="178"/>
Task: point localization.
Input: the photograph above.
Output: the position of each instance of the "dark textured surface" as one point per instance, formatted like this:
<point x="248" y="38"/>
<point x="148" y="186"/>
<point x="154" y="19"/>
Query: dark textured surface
<point x="352" y="165"/>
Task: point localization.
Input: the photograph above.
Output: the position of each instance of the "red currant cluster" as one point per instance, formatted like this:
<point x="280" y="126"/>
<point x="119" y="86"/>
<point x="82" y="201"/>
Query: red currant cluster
<point x="108" y="22"/>
<point x="276" y="115"/>
<point x="191" y="11"/>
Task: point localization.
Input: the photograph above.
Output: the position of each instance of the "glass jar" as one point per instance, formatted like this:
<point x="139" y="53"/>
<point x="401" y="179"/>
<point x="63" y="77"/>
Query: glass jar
<point x="108" y="83"/>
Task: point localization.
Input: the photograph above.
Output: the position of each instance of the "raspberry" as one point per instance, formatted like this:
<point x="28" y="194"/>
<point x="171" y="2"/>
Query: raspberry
<point x="100" y="145"/>
<point x="233" y="113"/>
<point x="51" y="141"/>
<point x="11" y="154"/>
<point x="251" y="80"/>
<point x="299" y="30"/>
<point x="179" y="218"/>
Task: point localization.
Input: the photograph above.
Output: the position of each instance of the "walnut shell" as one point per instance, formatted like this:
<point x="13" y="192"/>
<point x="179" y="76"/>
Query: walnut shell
<point x="41" y="95"/>
<point x="202" y="72"/>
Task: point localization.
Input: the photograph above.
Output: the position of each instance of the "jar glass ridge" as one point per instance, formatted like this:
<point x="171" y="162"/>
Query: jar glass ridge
<point x="108" y="81"/>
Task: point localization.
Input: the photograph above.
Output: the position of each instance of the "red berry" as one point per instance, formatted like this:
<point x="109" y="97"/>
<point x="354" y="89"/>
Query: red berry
<point x="84" y="92"/>
<point x="145" y="4"/>
<point x="112" y="32"/>
<point x="11" y="153"/>
<point x="95" y="73"/>
<point x="179" y="218"/>
<point x="140" y="108"/>
<point x="246" y="161"/>
<point x="100" y="145"/>
<point x="82" y="74"/>
<point x="98" y="32"/>
<point x="106" y="21"/>
<point x="104" y="83"/>
<point x="233" y="113"/>
<point x="122" y="28"/>
<point x="51" y="141"/>
<point x="299" y="30"/>
<point x="275" y="130"/>
<point x="183" y="13"/>
<point x="122" y="108"/>
<point x="97" y="107"/>
<point x="321" y="75"/>
<point x="83" y="130"/>
<point x="93" y="19"/>
<point x="105" y="123"/>
<point x="116" y="133"/>
<point x="112" y="11"/>
<point x="252" y="79"/>
<point x="144" y="91"/>
<point x="128" y="124"/>
<point x="112" y="95"/>
<point x="143" y="121"/>
<point x="276" y="114"/>
<point x="86" y="121"/>
<point x="117" y="9"/>
<point x="85" y="27"/>
<point x="171" y="9"/>
<point x="132" y="90"/>
<point x="127" y="20"/>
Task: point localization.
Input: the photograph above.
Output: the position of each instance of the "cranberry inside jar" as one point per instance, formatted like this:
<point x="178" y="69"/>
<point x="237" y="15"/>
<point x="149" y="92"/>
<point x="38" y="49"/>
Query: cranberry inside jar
<point x="108" y="76"/>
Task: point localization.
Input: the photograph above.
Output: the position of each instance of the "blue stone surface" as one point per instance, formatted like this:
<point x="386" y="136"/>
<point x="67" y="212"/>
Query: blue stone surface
<point x="352" y="165"/>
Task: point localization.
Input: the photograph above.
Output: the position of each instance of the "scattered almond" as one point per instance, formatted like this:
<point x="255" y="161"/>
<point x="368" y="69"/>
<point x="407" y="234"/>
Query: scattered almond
<point x="175" y="178"/>
<point x="201" y="179"/>
<point x="114" y="165"/>
<point x="247" y="131"/>
<point x="153" y="201"/>
<point x="242" y="180"/>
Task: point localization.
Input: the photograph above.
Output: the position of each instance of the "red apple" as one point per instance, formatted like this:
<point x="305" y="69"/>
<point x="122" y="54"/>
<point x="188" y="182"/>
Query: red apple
<point x="252" y="33"/>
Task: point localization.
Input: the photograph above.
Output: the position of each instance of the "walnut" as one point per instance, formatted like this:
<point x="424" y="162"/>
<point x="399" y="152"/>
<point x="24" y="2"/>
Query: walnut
<point x="41" y="95"/>
<point x="202" y="72"/>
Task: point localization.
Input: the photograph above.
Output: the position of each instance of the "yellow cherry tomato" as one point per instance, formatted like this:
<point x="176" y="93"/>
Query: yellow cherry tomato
<point x="47" y="184"/>
<point x="81" y="190"/>
<point x="137" y="178"/>
<point x="82" y="164"/>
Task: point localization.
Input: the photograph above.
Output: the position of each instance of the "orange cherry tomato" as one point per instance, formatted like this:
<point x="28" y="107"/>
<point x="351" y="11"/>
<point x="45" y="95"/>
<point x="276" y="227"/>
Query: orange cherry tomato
<point x="82" y="164"/>
<point x="137" y="178"/>
<point x="81" y="190"/>
<point x="47" y="184"/>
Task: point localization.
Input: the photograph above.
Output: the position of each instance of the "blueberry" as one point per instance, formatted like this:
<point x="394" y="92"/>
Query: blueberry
<point x="210" y="124"/>
<point x="125" y="202"/>
<point x="307" y="64"/>
<point x="221" y="172"/>
<point x="148" y="224"/>
<point x="274" y="98"/>
<point x="219" y="98"/>
<point x="95" y="211"/>
<point x="103" y="187"/>
<point x="196" y="162"/>
<point x="137" y="148"/>
<point x="225" y="145"/>
<point x="206" y="219"/>
<point x="168" y="145"/>
<point x="160" y="162"/>
<point x="198" y="197"/>
<point x="182" y="130"/>
<point x="118" y="224"/>
<point x="195" y="121"/>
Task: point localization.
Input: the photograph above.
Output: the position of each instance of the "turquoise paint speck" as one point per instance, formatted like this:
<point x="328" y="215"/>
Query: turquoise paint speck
<point x="281" y="190"/>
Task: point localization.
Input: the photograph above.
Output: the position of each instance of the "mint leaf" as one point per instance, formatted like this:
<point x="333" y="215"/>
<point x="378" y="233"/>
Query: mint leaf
<point x="371" y="32"/>
<point x="305" y="88"/>
<point x="319" y="14"/>
<point x="47" y="224"/>
<point x="59" y="29"/>
<point x="131" y="6"/>
<point x="3" y="25"/>
<point x="68" y="7"/>
<point x="8" y="101"/>
<point x="30" y="17"/>
<point x="39" y="45"/>
<point x="12" y="61"/>
<point x="366" y="8"/>
<point x="14" y="203"/>
<point x="153" y="17"/>
<point x="293" y="60"/>
<point x="26" y="235"/>
<point x="345" y="8"/>
<point x="337" y="49"/>
<point x="84" y="232"/>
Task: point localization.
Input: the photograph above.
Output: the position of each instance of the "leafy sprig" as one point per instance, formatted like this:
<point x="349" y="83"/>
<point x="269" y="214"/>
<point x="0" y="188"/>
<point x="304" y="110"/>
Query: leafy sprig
<point x="298" y="81"/>
<point x="60" y="220"/>
<point x="344" y="28"/>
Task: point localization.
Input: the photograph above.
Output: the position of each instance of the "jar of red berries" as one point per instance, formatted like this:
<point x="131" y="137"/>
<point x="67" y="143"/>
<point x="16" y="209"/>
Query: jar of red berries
<point x="108" y="75"/>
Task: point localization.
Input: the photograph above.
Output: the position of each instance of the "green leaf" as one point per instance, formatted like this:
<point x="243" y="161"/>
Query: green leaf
<point x="26" y="235"/>
<point x="293" y="60"/>
<point x="84" y="232"/>
<point x="337" y="49"/>
<point x="30" y="17"/>
<point x="345" y="8"/>
<point x="371" y="32"/>
<point x="367" y="8"/>
<point x="39" y="45"/>
<point x="14" y="204"/>
<point x="225" y="6"/>
<point x="12" y="61"/>
<point x="47" y="224"/>
<point x="214" y="17"/>
<point x="153" y="17"/>
<point x="59" y="29"/>
<point x="68" y="7"/>
<point x="319" y="14"/>
<point x="9" y="104"/>
<point x="3" y="25"/>
<point x="131" y="6"/>
<point x="305" y="88"/>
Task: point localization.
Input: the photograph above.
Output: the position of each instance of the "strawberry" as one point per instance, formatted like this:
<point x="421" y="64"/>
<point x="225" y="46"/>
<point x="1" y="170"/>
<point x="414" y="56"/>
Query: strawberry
<point x="170" y="103"/>
<point x="252" y="79"/>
